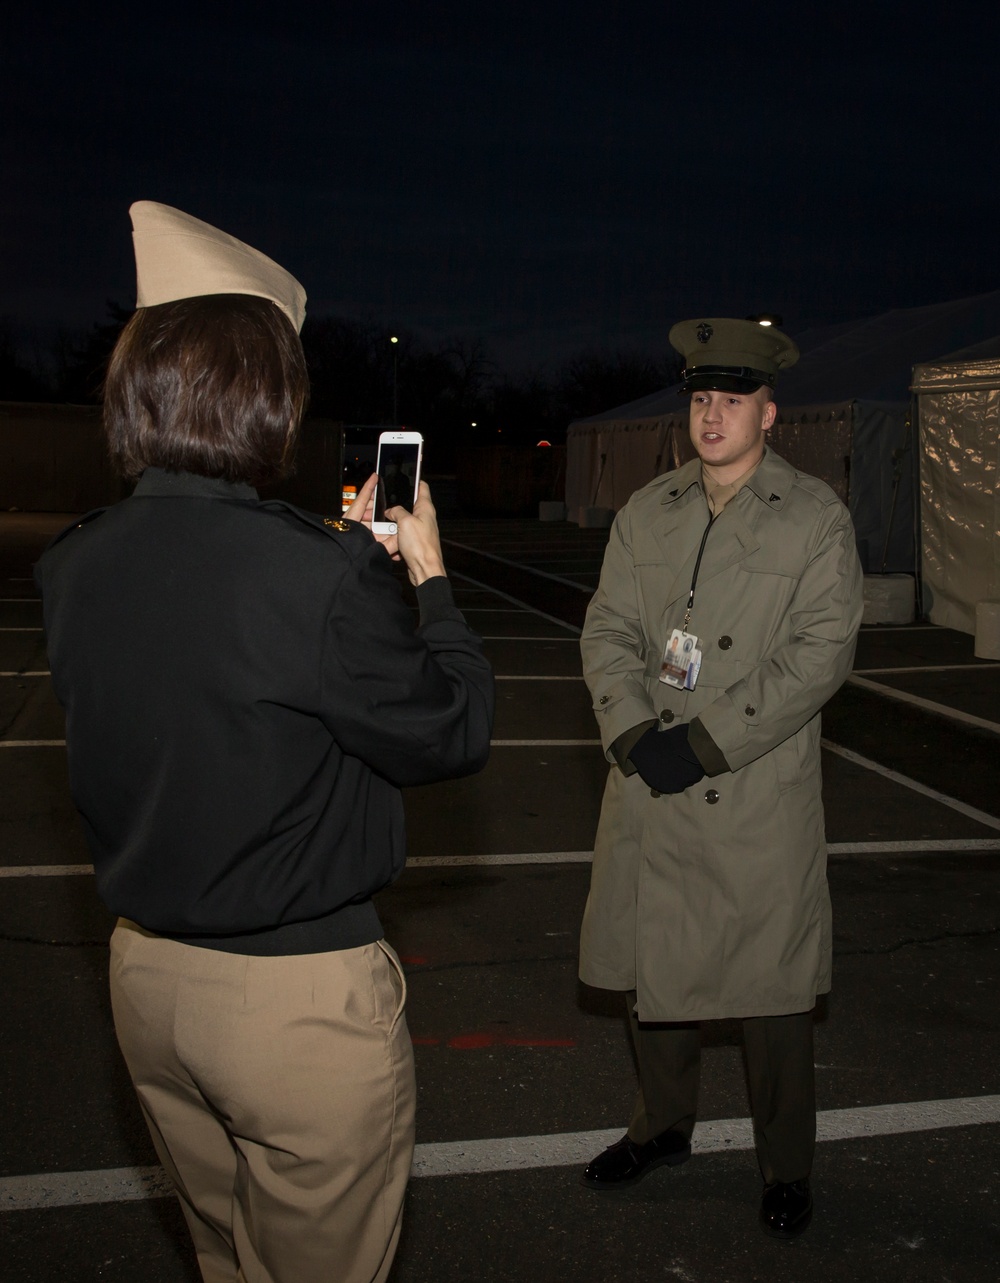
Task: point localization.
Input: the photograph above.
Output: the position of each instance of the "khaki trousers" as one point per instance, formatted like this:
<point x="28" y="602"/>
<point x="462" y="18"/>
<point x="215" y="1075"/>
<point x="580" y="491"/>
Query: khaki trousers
<point x="279" y="1094"/>
<point x="779" y="1051"/>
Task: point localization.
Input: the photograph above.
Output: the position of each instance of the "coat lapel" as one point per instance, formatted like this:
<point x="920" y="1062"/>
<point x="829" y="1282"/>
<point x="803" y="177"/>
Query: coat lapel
<point x="729" y="541"/>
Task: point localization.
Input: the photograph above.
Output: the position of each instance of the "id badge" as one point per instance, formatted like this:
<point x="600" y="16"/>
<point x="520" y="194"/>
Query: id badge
<point x="681" y="660"/>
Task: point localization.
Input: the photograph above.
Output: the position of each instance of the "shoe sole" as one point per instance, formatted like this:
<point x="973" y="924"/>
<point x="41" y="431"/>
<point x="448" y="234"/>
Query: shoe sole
<point x="668" y="1160"/>
<point x="788" y="1236"/>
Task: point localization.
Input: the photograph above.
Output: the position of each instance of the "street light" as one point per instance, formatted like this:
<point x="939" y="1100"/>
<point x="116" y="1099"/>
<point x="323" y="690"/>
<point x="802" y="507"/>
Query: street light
<point x="395" y="380"/>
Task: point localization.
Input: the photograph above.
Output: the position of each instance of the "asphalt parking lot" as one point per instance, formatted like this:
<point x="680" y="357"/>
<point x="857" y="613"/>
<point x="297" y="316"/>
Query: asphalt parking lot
<point x="522" y="1072"/>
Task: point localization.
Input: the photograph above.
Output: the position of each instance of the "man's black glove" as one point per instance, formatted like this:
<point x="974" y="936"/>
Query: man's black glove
<point x="666" y="761"/>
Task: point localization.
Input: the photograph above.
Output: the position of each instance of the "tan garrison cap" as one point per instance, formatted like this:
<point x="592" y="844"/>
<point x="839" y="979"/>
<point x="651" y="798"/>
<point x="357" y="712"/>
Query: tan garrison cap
<point x="731" y="355"/>
<point x="177" y="256"/>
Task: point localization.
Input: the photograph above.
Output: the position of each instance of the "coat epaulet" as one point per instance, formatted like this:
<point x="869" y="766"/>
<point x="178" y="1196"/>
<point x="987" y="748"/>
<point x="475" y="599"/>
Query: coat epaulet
<point x="329" y="526"/>
<point x="75" y="525"/>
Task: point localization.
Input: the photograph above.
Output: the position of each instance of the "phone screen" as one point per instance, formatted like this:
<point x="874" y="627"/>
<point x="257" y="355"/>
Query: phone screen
<point x="397" y="471"/>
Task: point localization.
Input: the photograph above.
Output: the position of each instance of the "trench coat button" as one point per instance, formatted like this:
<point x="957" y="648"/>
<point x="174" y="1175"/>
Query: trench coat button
<point x="725" y="643"/>
<point x="605" y="698"/>
<point x="667" y="715"/>
<point x="750" y="711"/>
<point x="711" y="797"/>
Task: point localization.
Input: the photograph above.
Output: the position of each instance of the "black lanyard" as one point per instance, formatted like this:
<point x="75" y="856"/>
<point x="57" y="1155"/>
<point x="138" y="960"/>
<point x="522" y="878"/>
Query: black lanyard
<point x="694" y="577"/>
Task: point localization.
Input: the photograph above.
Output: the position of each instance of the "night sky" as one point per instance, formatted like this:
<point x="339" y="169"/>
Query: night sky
<point x="549" y="176"/>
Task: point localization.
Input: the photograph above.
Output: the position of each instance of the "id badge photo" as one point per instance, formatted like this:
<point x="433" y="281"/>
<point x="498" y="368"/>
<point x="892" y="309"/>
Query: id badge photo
<point x="681" y="660"/>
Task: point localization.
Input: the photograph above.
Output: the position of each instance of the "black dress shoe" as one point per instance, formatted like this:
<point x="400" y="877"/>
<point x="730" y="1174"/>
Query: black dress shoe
<point x="786" y="1208"/>
<point x="627" y="1162"/>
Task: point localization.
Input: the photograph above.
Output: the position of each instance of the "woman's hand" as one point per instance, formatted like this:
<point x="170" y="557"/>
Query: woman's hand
<point x="363" y="510"/>
<point x="417" y="537"/>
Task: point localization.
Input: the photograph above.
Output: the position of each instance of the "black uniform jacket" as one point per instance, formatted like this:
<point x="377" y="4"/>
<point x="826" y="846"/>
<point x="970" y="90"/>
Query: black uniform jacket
<point x="245" y="693"/>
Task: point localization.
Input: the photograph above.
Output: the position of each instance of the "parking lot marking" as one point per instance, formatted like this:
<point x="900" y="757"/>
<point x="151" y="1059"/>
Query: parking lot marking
<point x="912" y="846"/>
<point x="32" y="743"/>
<point x="928" y="668"/>
<point x="519" y="1153"/>
<point x="928" y="705"/>
<point x="981" y="817"/>
<point x="518" y="565"/>
<point x="44" y="870"/>
<point x="467" y="579"/>
<point x="544" y="743"/>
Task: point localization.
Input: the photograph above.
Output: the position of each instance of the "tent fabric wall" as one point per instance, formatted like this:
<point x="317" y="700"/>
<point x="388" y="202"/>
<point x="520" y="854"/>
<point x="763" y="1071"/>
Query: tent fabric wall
<point x="813" y="439"/>
<point x="882" y="489"/>
<point x="866" y="364"/>
<point x="959" y="423"/>
<point x="607" y="462"/>
<point x="849" y="445"/>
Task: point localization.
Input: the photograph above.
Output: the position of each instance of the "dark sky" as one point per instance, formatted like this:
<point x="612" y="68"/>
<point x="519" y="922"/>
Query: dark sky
<point x="551" y="176"/>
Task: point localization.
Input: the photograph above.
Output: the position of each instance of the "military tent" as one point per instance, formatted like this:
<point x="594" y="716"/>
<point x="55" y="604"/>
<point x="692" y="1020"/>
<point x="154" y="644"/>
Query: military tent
<point x="844" y="415"/>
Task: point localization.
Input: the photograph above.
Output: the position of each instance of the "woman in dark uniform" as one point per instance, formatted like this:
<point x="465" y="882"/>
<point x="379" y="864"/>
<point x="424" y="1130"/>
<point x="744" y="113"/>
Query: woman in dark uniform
<point x="245" y="694"/>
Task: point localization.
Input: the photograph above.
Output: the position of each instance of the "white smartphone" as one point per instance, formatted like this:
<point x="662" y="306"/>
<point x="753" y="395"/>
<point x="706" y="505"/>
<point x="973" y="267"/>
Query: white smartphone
<point x="398" y="466"/>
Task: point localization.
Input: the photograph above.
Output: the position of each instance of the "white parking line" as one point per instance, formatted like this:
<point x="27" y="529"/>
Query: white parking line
<point x="908" y="846"/>
<point x="516" y="602"/>
<point x="517" y="565"/>
<point x="914" y="846"/>
<point x="519" y="1153"/>
<point x="928" y="705"/>
<point x="544" y="743"/>
<point x="911" y="846"/>
<point x="928" y="668"/>
<point x="981" y="817"/>
<point x="32" y="743"/>
<point x="44" y="870"/>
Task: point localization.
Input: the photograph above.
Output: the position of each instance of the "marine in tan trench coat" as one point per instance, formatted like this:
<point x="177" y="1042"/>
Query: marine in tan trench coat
<point x="713" y="902"/>
<point x="708" y="894"/>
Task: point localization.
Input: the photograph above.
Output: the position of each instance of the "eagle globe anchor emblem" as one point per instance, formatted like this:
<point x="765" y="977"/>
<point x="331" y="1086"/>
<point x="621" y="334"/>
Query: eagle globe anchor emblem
<point x="704" y="332"/>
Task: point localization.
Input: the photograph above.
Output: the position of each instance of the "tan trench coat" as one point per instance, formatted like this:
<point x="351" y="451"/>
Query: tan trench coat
<point x="713" y="903"/>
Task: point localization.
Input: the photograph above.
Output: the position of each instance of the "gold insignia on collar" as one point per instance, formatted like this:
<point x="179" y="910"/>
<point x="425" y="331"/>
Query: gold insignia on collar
<point x="342" y="526"/>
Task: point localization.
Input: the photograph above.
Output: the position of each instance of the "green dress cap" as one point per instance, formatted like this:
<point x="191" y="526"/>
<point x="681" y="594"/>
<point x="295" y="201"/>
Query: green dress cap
<point x="729" y="355"/>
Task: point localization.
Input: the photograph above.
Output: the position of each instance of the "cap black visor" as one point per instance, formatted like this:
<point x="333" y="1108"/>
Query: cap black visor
<point x="708" y="378"/>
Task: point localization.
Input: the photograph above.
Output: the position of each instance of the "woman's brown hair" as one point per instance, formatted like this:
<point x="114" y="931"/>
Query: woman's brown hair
<point x="215" y="385"/>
